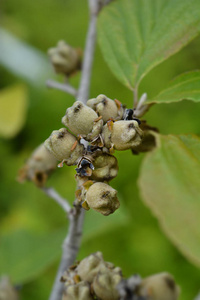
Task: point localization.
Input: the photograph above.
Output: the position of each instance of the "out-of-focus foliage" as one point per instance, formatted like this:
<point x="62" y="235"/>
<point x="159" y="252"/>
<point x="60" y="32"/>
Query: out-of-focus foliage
<point x="176" y="200"/>
<point x="22" y="59"/>
<point x="138" y="245"/>
<point x="13" y="110"/>
<point x="184" y="87"/>
<point x="135" y="36"/>
<point x="23" y="261"/>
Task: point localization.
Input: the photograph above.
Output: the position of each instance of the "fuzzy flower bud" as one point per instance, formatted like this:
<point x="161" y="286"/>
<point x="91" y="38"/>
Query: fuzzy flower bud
<point x="64" y="58"/>
<point x="105" y="167"/>
<point x="90" y="266"/>
<point x="105" y="107"/>
<point x="64" y="146"/>
<point x="102" y="198"/>
<point x="82" y="120"/>
<point x="79" y="291"/>
<point x="123" y="135"/>
<point x="105" y="284"/>
<point x="38" y="167"/>
<point x="159" y="286"/>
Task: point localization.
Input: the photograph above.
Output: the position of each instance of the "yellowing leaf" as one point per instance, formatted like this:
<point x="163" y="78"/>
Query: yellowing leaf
<point x="13" y="109"/>
<point x="170" y="186"/>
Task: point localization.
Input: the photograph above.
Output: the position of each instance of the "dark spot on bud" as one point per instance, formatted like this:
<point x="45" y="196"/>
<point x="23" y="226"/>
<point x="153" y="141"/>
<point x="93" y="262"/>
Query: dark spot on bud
<point x="105" y="194"/>
<point x="40" y="178"/>
<point x="131" y="126"/>
<point x="170" y="283"/>
<point x="77" y="108"/>
<point x="104" y="101"/>
<point x="60" y="135"/>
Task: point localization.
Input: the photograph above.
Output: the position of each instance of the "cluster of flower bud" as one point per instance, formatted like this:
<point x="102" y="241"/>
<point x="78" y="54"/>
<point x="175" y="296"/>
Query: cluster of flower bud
<point x="93" y="132"/>
<point x="93" y="278"/>
<point x="65" y="59"/>
<point x="38" y="167"/>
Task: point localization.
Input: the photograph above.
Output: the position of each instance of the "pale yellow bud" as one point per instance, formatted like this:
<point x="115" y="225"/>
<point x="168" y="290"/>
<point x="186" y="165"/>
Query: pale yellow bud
<point x="123" y="135"/>
<point x="79" y="291"/>
<point x="105" y="167"/>
<point x="81" y="120"/>
<point x="64" y="146"/>
<point x="64" y="58"/>
<point x="159" y="287"/>
<point x="105" y="283"/>
<point x="90" y="266"/>
<point x="105" y="107"/>
<point x="102" y="198"/>
<point x="38" y="167"/>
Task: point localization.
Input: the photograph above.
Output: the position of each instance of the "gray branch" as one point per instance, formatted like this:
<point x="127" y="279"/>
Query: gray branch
<point x="71" y="246"/>
<point x="65" y="87"/>
<point x="51" y="192"/>
<point x="84" y="88"/>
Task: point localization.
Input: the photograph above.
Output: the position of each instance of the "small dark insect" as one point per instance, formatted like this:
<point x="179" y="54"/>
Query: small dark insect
<point x="85" y="167"/>
<point x="129" y="115"/>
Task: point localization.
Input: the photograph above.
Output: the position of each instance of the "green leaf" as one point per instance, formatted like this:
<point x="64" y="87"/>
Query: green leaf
<point x="23" y="60"/>
<point x="169" y="183"/>
<point x="24" y="255"/>
<point x="13" y="110"/>
<point x="184" y="87"/>
<point x="137" y="35"/>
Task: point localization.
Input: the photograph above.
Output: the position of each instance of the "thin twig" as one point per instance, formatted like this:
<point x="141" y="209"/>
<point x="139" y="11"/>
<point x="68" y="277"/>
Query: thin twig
<point x="51" y="192"/>
<point x="65" y="87"/>
<point x="71" y="246"/>
<point x="84" y="87"/>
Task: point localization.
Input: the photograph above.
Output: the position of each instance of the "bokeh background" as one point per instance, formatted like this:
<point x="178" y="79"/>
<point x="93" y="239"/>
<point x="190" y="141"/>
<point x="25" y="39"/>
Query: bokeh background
<point x="32" y="226"/>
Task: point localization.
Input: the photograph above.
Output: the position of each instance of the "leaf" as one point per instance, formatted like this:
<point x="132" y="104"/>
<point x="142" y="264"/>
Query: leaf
<point x="23" y="60"/>
<point x="24" y="255"/>
<point x="184" y="87"/>
<point x="169" y="183"/>
<point x="13" y="110"/>
<point x="137" y="35"/>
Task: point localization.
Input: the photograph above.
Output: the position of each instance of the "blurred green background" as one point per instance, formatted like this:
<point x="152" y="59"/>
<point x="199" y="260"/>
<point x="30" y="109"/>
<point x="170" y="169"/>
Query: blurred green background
<point x="32" y="225"/>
